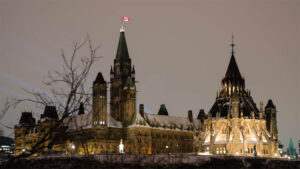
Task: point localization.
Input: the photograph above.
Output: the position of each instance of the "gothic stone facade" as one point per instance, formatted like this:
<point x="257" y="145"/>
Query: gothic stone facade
<point x="233" y="126"/>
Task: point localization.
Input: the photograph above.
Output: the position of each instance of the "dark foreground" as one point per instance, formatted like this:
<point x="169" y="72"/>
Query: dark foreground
<point x="151" y="162"/>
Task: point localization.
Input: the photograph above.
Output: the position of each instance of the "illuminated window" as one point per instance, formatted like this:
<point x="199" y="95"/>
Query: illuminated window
<point x="217" y="151"/>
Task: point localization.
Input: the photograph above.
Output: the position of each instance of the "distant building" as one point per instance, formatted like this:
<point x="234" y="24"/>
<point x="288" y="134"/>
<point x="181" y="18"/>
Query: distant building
<point x="6" y="145"/>
<point x="280" y="149"/>
<point x="291" y="151"/>
<point x="299" y="147"/>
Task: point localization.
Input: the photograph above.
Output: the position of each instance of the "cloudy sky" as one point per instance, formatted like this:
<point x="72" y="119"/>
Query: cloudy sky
<point x="180" y="49"/>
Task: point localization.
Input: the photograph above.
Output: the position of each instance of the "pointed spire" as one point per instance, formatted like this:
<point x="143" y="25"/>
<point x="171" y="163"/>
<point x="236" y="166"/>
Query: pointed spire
<point x="270" y="104"/>
<point x="233" y="69"/>
<point x="111" y="70"/>
<point x="201" y="116"/>
<point x="133" y="70"/>
<point x="99" y="79"/>
<point x="122" y="51"/>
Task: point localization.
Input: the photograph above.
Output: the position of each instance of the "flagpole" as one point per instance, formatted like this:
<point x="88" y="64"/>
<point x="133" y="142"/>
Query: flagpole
<point x="122" y="25"/>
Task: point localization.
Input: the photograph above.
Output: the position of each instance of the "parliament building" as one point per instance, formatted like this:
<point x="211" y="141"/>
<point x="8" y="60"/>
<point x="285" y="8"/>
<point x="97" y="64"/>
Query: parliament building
<point x="233" y="126"/>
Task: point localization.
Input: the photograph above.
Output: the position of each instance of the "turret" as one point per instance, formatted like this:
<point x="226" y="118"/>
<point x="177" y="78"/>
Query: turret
<point x="27" y="119"/>
<point x="270" y="111"/>
<point x="201" y="116"/>
<point x="50" y="113"/>
<point x="261" y="110"/>
<point x="99" y="101"/>
<point x="190" y="115"/>
<point x="133" y="73"/>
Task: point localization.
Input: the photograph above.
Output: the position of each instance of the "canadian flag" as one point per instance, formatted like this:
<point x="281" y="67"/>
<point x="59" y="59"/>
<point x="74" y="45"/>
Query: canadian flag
<point x="124" y="18"/>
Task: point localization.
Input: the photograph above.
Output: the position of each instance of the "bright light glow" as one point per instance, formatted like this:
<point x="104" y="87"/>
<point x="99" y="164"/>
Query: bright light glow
<point x="73" y="146"/>
<point x="121" y="147"/>
<point x="167" y="146"/>
<point x="23" y="149"/>
<point x="203" y="153"/>
<point x="275" y="154"/>
<point x="237" y="153"/>
<point x="207" y="148"/>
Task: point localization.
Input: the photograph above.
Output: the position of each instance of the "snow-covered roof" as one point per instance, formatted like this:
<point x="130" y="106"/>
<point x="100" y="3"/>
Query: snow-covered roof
<point x="113" y="122"/>
<point x="78" y="122"/>
<point x="138" y="120"/>
<point x="171" y="122"/>
<point x="85" y="121"/>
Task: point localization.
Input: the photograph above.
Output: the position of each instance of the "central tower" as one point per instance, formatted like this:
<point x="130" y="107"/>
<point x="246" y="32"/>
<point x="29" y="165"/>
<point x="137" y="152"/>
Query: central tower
<point x="122" y="84"/>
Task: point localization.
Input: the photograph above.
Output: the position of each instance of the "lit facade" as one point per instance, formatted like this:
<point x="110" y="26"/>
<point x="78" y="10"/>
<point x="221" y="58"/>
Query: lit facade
<point x="233" y="126"/>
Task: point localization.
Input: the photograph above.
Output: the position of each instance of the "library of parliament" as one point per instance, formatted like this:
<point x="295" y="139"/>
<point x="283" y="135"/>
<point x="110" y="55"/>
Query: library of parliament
<point x="234" y="125"/>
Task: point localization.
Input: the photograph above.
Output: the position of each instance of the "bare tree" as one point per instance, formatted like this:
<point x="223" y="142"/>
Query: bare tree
<point x="67" y="90"/>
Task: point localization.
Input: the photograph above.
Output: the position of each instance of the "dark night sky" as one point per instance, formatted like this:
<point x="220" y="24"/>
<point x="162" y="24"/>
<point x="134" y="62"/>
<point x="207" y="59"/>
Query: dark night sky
<point x="180" y="49"/>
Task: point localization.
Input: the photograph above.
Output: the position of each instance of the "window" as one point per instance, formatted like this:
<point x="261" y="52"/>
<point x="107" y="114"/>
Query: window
<point x="224" y="130"/>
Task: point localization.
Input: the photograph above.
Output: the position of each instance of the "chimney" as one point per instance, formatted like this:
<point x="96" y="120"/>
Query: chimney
<point x="190" y="115"/>
<point x="141" y="110"/>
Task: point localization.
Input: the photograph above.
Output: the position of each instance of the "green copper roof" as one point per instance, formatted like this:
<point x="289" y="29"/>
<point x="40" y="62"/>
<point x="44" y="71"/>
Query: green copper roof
<point x="133" y="120"/>
<point x="122" y="52"/>
<point x="129" y="82"/>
